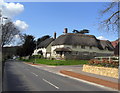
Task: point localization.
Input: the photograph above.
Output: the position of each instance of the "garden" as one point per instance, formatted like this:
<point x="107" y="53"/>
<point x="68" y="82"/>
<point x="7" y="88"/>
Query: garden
<point x="105" y="62"/>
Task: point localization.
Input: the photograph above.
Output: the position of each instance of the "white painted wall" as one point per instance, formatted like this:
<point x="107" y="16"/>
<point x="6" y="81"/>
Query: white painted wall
<point x="79" y="49"/>
<point x="35" y="52"/>
<point x="40" y="49"/>
<point x="44" y="50"/>
<point x="53" y="53"/>
<point x="87" y="48"/>
<point x="48" y="49"/>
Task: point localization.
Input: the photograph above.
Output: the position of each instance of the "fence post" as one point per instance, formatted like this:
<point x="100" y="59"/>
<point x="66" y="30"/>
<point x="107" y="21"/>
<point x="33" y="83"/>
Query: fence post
<point x="109" y="59"/>
<point x="101" y="59"/>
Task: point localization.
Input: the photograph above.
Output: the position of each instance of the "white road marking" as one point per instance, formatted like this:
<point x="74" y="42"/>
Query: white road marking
<point x="91" y="83"/>
<point x="34" y="74"/>
<point x="50" y="83"/>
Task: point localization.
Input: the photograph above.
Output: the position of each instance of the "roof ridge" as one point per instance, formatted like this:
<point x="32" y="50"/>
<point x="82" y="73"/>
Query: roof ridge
<point x="78" y="34"/>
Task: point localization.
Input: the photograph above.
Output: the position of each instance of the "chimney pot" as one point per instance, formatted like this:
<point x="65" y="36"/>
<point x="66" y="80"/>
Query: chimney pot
<point x="65" y="30"/>
<point x="55" y="35"/>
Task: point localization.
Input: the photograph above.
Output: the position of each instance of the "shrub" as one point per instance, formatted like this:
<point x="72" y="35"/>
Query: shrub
<point x="104" y="63"/>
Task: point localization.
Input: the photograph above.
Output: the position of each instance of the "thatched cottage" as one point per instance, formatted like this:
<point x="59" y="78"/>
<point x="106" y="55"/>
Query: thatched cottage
<point x="74" y="46"/>
<point x="44" y="48"/>
<point x="80" y="46"/>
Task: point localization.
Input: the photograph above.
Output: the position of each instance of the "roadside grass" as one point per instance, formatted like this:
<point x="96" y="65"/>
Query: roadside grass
<point x="57" y="62"/>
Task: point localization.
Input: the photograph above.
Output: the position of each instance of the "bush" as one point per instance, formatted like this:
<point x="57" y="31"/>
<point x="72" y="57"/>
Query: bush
<point x="104" y="63"/>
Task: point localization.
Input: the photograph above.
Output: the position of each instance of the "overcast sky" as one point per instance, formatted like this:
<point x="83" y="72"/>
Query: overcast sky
<point x="39" y="19"/>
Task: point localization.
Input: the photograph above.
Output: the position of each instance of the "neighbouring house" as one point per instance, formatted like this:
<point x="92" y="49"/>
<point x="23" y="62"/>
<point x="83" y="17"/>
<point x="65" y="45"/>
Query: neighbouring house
<point x="44" y="48"/>
<point x="114" y="43"/>
<point x="116" y="46"/>
<point x="80" y="46"/>
<point x="116" y="50"/>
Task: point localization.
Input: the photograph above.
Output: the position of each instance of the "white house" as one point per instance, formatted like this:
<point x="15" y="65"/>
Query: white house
<point x="74" y="46"/>
<point x="80" y="46"/>
<point x="44" y="48"/>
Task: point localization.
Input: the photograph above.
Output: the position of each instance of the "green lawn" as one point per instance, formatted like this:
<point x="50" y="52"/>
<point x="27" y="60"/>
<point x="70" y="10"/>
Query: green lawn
<point x="58" y="62"/>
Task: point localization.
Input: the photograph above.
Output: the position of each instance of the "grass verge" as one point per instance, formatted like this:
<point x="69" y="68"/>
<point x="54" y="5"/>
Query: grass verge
<point x="57" y="62"/>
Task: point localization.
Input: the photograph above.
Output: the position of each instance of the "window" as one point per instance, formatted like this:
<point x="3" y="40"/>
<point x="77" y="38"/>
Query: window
<point x="83" y="47"/>
<point x="74" y="46"/>
<point x="85" y="53"/>
<point x="75" y="53"/>
<point x="90" y="47"/>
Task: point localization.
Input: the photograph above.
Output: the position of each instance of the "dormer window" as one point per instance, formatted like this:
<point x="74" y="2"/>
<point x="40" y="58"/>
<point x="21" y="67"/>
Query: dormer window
<point x="82" y="46"/>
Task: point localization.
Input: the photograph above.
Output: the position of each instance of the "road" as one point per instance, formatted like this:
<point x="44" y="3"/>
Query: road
<point x="19" y="76"/>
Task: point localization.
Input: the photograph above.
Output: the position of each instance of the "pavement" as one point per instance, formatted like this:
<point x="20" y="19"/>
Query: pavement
<point x="19" y="76"/>
<point x="76" y="72"/>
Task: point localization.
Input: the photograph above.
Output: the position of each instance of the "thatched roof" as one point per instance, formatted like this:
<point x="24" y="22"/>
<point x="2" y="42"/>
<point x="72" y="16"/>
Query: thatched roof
<point x="80" y="39"/>
<point x="106" y="44"/>
<point x="76" y="39"/>
<point x="45" y="43"/>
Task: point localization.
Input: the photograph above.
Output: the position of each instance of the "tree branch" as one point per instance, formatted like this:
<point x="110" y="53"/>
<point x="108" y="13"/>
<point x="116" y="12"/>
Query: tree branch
<point x="109" y="7"/>
<point x="109" y="19"/>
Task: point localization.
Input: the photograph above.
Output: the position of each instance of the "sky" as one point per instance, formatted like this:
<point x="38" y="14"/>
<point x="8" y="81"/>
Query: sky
<point x="45" y="18"/>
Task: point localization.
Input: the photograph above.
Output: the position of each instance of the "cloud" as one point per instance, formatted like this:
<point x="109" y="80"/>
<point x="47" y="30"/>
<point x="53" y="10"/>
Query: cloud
<point x="102" y="38"/>
<point x="17" y="36"/>
<point x="11" y="9"/>
<point x="21" y="25"/>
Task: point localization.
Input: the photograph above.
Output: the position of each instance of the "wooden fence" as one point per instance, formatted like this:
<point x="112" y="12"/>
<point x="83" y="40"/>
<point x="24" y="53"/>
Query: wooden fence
<point x="114" y="58"/>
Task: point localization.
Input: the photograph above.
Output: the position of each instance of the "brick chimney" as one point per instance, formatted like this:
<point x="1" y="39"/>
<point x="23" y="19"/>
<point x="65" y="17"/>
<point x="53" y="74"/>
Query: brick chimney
<point x="65" y="30"/>
<point x="55" y="35"/>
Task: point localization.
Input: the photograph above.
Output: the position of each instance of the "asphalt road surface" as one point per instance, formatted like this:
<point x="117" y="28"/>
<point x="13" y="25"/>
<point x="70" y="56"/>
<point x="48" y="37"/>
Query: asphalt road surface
<point x="22" y="77"/>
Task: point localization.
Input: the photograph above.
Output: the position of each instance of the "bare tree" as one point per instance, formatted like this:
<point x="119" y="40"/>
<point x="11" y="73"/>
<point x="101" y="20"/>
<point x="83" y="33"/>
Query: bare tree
<point x="9" y="30"/>
<point x="111" y="22"/>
